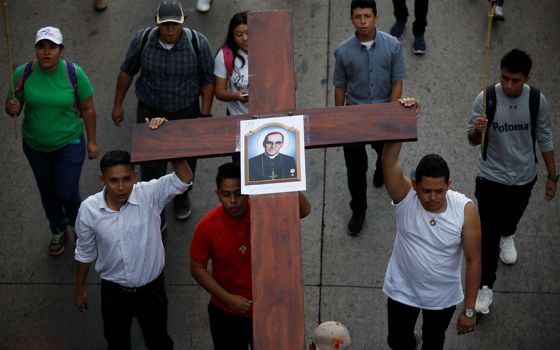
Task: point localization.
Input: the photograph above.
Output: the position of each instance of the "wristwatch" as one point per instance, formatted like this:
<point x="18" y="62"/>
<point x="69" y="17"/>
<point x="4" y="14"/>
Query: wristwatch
<point x="553" y="178"/>
<point x="469" y="313"/>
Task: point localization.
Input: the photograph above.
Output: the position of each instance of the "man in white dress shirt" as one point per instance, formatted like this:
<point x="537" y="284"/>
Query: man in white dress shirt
<point x="120" y="227"/>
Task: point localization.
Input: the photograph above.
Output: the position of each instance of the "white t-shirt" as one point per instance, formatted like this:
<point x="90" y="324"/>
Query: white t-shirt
<point x="425" y="266"/>
<point x="239" y="79"/>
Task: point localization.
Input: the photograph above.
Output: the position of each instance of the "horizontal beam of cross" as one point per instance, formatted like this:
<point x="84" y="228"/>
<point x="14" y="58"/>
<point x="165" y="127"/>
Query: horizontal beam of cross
<point x="326" y="127"/>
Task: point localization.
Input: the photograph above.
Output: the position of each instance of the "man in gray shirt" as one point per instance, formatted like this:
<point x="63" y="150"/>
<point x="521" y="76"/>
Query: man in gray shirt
<point x="507" y="167"/>
<point x="369" y="68"/>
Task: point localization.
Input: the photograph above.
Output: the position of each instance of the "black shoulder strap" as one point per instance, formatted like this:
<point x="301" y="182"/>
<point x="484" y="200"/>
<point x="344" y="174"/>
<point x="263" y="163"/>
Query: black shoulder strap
<point x="194" y="43"/>
<point x="144" y="40"/>
<point x="490" y="113"/>
<point x="534" y="106"/>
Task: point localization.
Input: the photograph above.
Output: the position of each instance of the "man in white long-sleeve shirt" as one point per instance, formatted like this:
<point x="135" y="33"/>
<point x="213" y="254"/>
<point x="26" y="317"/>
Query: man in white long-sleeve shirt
<point x="120" y="227"/>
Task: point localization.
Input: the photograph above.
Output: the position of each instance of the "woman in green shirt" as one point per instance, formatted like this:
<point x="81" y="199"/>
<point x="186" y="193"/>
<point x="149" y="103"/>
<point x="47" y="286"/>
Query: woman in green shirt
<point x="53" y="94"/>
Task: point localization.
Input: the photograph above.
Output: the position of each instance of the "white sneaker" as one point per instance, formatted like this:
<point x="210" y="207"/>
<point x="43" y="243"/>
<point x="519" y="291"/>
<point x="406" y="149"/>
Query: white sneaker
<point x="203" y="5"/>
<point x="499" y="14"/>
<point x="508" y="254"/>
<point x="484" y="300"/>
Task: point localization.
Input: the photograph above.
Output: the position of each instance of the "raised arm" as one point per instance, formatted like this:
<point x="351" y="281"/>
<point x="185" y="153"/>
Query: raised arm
<point x="180" y="166"/>
<point x="470" y="236"/>
<point x="182" y="170"/>
<point x="396" y="183"/>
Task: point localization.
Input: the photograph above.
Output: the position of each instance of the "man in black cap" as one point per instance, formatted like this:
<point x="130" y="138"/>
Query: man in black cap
<point x="177" y="67"/>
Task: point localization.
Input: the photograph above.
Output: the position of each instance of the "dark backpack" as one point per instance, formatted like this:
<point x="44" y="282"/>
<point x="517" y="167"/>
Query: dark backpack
<point x="71" y="73"/>
<point x="534" y="105"/>
<point x="194" y="42"/>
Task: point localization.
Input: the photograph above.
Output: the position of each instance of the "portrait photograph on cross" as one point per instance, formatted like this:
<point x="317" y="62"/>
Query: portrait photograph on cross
<point x="273" y="155"/>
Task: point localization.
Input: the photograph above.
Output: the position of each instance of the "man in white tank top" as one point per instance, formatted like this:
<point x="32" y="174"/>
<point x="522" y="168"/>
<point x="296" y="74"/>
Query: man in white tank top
<point x="435" y="226"/>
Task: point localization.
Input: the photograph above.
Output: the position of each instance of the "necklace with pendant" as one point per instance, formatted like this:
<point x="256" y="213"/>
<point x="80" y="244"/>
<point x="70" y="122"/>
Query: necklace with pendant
<point x="432" y="218"/>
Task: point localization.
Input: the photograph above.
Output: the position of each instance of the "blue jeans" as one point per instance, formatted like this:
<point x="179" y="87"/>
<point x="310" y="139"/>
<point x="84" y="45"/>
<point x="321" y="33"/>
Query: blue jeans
<point x="58" y="177"/>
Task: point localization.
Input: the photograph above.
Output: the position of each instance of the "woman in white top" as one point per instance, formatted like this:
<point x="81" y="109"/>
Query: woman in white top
<point x="231" y="68"/>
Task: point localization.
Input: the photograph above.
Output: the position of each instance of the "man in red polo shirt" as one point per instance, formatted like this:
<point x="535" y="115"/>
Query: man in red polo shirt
<point x="224" y="236"/>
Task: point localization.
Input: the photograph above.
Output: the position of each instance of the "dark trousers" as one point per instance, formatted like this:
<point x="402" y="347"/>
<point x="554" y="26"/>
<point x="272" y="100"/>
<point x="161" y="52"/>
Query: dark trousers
<point x="230" y="331"/>
<point x="57" y="174"/>
<point x="420" y="14"/>
<point x="402" y="320"/>
<point x="148" y="304"/>
<point x="500" y="208"/>
<point x="157" y="168"/>
<point x="355" y="157"/>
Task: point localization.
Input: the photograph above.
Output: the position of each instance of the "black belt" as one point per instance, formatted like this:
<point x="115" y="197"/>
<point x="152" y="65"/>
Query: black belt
<point x="157" y="280"/>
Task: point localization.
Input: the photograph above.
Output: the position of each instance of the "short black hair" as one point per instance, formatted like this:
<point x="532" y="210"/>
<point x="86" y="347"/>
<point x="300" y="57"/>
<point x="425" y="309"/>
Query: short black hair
<point x="517" y="61"/>
<point x="364" y="4"/>
<point x="432" y="165"/>
<point x="237" y="19"/>
<point x="113" y="158"/>
<point x="229" y="170"/>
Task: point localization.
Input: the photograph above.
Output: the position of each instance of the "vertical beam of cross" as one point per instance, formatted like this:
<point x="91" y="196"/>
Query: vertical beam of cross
<point x="278" y="322"/>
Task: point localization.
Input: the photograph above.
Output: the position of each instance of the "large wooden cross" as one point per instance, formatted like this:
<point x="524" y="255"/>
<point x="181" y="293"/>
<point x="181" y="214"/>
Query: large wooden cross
<point x="278" y="322"/>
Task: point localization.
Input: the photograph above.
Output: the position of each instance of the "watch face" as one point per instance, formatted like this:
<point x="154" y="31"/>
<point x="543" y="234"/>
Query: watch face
<point x="469" y="313"/>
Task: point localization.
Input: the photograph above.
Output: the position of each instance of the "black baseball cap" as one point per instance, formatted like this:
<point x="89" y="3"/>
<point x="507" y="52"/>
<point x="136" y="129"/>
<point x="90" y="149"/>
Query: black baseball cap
<point x="169" y="11"/>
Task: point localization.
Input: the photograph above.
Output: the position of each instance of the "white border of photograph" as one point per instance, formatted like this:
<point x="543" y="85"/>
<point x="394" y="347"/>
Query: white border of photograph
<point x="252" y="133"/>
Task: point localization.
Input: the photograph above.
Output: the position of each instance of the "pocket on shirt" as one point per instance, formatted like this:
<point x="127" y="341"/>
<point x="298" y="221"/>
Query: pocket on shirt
<point x="137" y="233"/>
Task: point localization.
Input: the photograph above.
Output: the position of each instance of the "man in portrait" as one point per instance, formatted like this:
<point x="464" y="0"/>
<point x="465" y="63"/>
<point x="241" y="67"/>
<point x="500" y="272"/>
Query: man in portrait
<point x="271" y="164"/>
